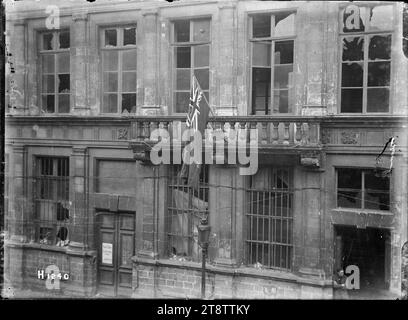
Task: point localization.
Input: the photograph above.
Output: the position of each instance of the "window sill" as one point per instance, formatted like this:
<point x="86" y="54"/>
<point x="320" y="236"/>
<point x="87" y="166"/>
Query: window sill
<point x="363" y="211"/>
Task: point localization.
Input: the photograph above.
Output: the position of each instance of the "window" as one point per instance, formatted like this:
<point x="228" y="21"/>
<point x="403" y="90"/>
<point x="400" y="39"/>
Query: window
<point x="366" y="59"/>
<point x="272" y="41"/>
<point x="270" y="218"/>
<point x="51" y="197"/>
<point x="119" y="70"/>
<point x="362" y="189"/>
<point x="191" y="41"/>
<point x="55" y="71"/>
<point x="185" y="208"/>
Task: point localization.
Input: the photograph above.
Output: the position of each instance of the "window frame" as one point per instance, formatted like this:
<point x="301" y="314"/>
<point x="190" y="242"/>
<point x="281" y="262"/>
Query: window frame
<point x="191" y="44"/>
<point x="365" y="35"/>
<point x="120" y="48"/>
<point x="272" y="40"/>
<point x="363" y="171"/>
<point x="55" y="52"/>
<point x="51" y="224"/>
<point x="290" y="218"/>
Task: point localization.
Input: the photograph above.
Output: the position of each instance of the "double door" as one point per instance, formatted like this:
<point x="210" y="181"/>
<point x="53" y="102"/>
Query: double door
<point x="116" y="246"/>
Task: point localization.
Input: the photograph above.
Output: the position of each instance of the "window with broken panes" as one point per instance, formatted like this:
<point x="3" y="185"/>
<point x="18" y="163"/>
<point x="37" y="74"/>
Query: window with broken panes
<point x="272" y="52"/>
<point x="362" y="189"/>
<point x="118" y="52"/>
<point x="55" y="71"/>
<point x="366" y="42"/>
<point x="192" y="43"/>
<point x="269" y="219"/>
<point x="185" y="207"/>
<point x="51" y="199"/>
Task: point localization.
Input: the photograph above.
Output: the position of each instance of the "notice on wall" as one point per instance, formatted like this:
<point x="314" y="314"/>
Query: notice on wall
<point x="107" y="253"/>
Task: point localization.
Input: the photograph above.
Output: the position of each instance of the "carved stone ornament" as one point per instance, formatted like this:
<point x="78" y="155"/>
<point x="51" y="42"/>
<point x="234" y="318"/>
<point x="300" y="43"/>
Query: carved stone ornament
<point x="349" y="137"/>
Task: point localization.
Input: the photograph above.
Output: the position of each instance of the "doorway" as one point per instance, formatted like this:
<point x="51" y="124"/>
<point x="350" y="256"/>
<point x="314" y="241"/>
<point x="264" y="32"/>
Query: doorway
<point x="369" y="250"/>
<point x="116" y="246"/>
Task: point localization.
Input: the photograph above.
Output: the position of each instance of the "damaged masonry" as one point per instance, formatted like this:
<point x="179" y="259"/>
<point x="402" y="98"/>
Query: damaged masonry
<point x="322" y="85"/>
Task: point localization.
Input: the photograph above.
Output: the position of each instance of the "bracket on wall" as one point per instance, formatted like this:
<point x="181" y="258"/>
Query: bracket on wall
<point x="310" y="159"/>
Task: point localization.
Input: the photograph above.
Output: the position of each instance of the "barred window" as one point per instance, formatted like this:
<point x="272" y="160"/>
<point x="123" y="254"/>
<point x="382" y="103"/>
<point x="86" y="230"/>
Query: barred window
<point x="185" y="207"/>
<point x="51" y="198"/>
<point x="118" y="50"/>
<point x="272" y="47"/>
<point x="55" y="71"/>
<point x="357" y="188"/>
<point x="270" y="218"/>
<point x="366" y="58"/>
<point x="191" y="41"/>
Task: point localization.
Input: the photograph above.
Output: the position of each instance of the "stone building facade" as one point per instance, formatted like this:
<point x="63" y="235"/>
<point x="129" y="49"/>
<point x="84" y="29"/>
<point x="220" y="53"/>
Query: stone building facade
<point x="324" y="83"/>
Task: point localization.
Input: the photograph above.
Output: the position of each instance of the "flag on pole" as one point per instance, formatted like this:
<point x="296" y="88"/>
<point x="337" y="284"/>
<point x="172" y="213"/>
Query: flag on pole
<point x="197" y="117"/>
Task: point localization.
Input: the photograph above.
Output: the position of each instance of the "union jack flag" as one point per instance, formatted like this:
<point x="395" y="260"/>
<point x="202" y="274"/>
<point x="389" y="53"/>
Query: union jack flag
<point x="197" y="118"/>
<point x="196" y="94"/>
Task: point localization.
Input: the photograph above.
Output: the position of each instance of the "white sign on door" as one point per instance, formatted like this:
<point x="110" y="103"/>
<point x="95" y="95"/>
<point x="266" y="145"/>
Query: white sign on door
<point x="107" y="253"/>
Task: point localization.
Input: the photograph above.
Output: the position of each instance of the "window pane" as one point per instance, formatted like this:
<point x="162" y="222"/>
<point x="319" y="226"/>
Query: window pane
<point x="201" y="56"/>
<point x="261" y="86"/>
<point x="110" y="81"/>
<point x="261" y="54"/>
<point x="379" y="47"/>
<point x="201" y="30"/>
<point x="284" y="24"/>
<point x="378" y="99"/>
<point x="203" y="78"/>
<point x="183" y="80"/>
<point x="63" y="62"/>
<point x="110" y="103"/>
<point x="129" y="82"/>
<point x="376" y="183"/>
<point x="48" y="103"/>
<point x="352" y="100"/>
<point x="349" y="199"/>
<point x="354" y="21"/>
<point x="48" y="84"/>
<point x="129" y="60"/>
<point x="261" y="26"/>
<point x="182" y="31"/>
<point x="129" y="102"/>
<point x="349" y="178"/>
<point x="47" y="41"/>
<point x="63" y="103"/>
<point x="353" y="48"/>
<point x="129" y="36"/>
<point x="283" y="52"/>
<point x="381" y="18"/>
<point x="182" y="101"/>
<point x="64" y="40"/>
<point x="183" y="57"/>
<point x="63" y="83"/>
<point x="377" y="201"/>
<point x="352" y="75"/>
<point x="110" y="37"/>
<point x="378" y="74"/>
<point x="110" y="61"/>
<point x="280" y="101"/>
<point x="281" y="76"/>
<point x="48" y="63"/>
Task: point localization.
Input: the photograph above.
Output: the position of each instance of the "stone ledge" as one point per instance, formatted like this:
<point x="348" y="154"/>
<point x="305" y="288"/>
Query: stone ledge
<point x="42" y="247"/>
<point x="267" y="274"/>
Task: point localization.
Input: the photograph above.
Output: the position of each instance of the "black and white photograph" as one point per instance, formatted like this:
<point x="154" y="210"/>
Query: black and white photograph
<point x="204" y="150"/>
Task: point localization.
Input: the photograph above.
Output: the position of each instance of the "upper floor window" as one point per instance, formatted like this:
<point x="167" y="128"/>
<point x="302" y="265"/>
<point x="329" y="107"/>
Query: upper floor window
<point x="272" y="47"/>
<point x="357" y="188"/>
<point x="191" y="41"/>
<point x="118" y="51"/>
<point x="55" y="71"/>
<point x="366" y="58"/>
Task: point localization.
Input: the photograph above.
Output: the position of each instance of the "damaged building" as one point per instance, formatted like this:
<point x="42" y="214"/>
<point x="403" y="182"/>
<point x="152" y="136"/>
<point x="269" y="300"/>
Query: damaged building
<point x="324" y="84"/>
